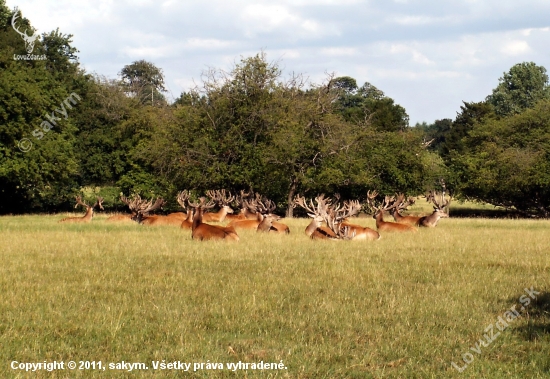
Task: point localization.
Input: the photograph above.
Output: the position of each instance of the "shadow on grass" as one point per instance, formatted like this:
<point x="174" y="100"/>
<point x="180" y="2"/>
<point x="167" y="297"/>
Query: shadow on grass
<point x="537" y="314"/>
<point x="485" y="213"/>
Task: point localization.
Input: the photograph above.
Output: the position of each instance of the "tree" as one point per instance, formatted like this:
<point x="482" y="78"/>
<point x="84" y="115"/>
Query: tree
<point x="368" y="105"/>
<point x="144" y="81"/>
<point x="37" y="159"/>
<point x="507" y="161"/>
<point x="519" y="89"/>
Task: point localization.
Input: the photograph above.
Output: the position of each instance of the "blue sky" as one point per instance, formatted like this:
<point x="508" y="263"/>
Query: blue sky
<point x="427" y="55"/>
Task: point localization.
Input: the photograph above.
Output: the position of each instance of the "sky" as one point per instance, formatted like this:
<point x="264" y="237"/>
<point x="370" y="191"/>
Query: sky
<point x="427" y="55"/>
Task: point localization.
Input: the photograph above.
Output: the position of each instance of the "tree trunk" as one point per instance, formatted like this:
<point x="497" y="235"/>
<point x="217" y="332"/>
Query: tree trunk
<point x="290" y="198"/>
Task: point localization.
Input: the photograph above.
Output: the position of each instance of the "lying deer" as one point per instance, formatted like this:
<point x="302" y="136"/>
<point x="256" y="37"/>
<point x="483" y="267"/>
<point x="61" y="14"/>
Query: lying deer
<point x="439" y="206"/>
<point x="379" y="209"/>
<point x="401" y="204"/>
<point x="202" y="231"/>
<point x="89" y="210"/>
<point x="325" y="212"/>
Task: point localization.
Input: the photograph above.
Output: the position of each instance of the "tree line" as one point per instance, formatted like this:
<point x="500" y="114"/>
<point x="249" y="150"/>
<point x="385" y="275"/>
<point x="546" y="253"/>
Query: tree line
<point x="252" y="128"/>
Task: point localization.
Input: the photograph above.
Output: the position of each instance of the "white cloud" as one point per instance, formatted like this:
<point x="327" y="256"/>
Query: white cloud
<point x="446" y="51"/>
<point x="515" y="48"/>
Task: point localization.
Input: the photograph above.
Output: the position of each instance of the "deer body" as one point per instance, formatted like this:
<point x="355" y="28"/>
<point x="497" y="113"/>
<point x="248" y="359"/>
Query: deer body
<point x="188" y="222"/>
<point x="266" y="225"/>
<point x="409" y="220"/>
<point x="247" y="224"/>
<point x="431" y="220"/>
<point x="202" y="232"/>
<point x="361" y="233"/>
<point x="384" y="226"/>
<point x="158" y="220"/>
<point x="217" y="216"/>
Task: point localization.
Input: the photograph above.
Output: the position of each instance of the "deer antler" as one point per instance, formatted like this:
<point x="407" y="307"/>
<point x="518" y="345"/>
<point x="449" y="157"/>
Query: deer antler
<point x="182" y="198"/>
<point x="80" y="202"/>
<point x="401" y="203"/>
<point x="99" y="203"/>
<point x="202" y="203"/>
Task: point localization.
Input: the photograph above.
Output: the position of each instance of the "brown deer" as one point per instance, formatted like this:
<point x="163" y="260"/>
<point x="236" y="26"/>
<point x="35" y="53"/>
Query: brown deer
<point x="172" y="219"/>
<point x="242" y="203"/>
<point x="360" y="232"/>
<point x="141" y="209"/>
<point x="379" y="209"/>
<point x="266" y="225"/>
<point x="222" y="200"/>
<point x="89" y="210"/>
<point x="183" y="198"/>
<point x="202" y="231"/>
<point x="325" y="212"/>
<point x="270" y="221"/>
<point x="265" y="207"/>
<point x="439" y="206"/>
<point x="402" y="204"/>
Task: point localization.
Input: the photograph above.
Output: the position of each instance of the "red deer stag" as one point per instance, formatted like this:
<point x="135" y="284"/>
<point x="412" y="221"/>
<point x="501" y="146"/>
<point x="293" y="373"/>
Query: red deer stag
<point x="325" y="212"/>
<point x="183" y="198"/>
<point x="222" y="200"/>
<point x="439" y="206"/>
<point x="246" y="213"/>
<point x="89" y="210"/>
<point x="401" y="204"/>
<point x="202" y="231"/>
<point x="379" y="209"/>
<point x="360" y="232"/>
<point x="141" y="209"/>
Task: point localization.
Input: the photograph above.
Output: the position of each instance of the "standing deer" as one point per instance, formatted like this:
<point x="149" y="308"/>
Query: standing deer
<point x="402" y="204"/>
<point x="89" y="210"/>
<point x="439" y="206"/>
<point x="379" y="209"/>
<point x="202" y="231"/>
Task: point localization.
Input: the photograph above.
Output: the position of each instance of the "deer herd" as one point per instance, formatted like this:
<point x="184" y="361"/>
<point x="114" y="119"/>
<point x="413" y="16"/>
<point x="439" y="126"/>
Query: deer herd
<point x="330" y="217"/>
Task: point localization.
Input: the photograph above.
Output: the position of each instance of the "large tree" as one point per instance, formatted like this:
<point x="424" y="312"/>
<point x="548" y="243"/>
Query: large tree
<point x="507" y="161"/>
<point x="37" y="159"/>
<point x="520" y="88"/>
<point x="144" y="81"/>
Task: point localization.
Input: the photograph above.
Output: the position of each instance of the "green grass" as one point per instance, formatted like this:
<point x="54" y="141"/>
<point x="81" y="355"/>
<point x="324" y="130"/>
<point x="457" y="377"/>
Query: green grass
<point x="405" y="306"/>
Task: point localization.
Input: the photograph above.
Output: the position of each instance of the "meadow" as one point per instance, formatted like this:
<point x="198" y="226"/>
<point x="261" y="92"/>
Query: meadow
<point x="406" y="306"/>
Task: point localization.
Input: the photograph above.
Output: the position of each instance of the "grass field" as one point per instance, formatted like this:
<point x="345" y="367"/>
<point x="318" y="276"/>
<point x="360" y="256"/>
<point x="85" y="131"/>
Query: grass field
<point x="406" y="306"/>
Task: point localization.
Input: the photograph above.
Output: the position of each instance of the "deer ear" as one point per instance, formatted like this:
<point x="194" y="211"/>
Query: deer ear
<point x="311" y="215"/>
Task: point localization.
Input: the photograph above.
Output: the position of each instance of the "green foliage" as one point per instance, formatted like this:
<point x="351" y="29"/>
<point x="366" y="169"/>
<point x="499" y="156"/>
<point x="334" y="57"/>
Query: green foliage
<point x="144" y="81"/>
<point x="42" y="177"/>
<point x="507" y="161"/>
<point x="368" y="105"/>
<point x="519" y="89"/>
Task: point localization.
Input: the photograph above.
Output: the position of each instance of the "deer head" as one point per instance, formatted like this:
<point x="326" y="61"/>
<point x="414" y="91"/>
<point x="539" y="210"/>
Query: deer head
<point x="29" y="40"/>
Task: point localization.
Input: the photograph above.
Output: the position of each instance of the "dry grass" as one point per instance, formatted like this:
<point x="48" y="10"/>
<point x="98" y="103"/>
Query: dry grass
<point x="405" y="306"/>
